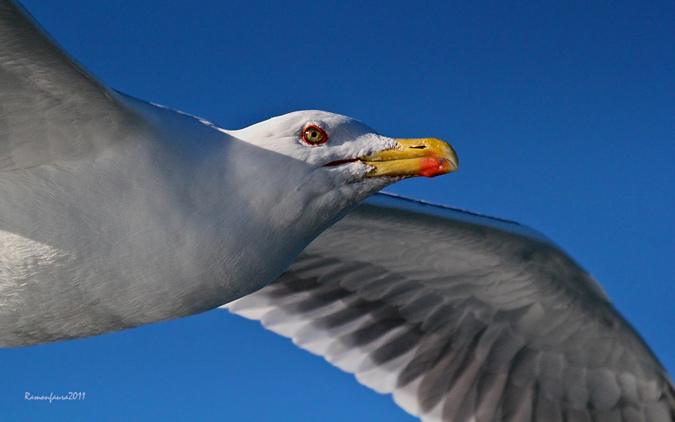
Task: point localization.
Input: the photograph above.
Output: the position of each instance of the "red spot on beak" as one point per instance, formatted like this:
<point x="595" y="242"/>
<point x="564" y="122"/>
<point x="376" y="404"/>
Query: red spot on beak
<point x="433" y="166"/>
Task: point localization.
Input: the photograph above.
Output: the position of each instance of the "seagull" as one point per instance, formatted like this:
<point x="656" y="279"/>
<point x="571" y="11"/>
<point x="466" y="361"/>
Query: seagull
<point x="117" y="213"/>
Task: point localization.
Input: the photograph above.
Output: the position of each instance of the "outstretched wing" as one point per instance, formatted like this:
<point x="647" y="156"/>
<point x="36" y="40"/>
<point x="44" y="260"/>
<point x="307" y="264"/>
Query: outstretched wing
<point x="51" y="110"/>
<point x="463" y="317"/>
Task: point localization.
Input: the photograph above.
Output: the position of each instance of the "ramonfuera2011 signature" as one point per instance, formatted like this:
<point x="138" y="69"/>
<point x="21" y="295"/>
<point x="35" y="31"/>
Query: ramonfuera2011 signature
<point x="71" y="395"/>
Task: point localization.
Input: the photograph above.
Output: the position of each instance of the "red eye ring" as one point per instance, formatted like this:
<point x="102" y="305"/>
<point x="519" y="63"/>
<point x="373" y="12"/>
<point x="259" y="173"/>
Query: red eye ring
<point x="314" y="135"/>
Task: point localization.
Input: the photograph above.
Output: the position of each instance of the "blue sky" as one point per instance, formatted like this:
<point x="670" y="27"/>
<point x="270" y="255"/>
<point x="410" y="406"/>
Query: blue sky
<point x="562" y="114"/>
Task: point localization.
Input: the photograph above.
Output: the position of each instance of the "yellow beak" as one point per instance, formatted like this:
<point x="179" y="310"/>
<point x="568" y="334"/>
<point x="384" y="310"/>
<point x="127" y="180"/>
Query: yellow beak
<point x="414" y="157"/>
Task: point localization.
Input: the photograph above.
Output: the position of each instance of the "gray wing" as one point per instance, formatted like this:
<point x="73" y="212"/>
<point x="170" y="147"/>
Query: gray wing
<point x="463" y="317"/>
<point x="51" y="110"/>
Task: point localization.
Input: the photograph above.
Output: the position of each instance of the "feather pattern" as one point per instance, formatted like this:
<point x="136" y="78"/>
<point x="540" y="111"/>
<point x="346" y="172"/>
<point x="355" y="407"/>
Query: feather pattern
<point x="463" y="318"/>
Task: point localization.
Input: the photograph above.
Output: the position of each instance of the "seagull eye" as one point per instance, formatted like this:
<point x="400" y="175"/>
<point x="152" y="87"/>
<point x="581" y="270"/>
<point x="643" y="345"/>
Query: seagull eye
<point x="314" y="135"/>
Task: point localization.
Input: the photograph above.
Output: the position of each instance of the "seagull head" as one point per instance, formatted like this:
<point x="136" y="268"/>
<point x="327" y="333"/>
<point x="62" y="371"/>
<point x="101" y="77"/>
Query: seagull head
<point x="346" y="157"/>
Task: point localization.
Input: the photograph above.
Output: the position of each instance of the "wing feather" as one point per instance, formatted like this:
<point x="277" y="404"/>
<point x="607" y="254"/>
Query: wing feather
<point x="463" y="318"/>
<point x="51" y="109"/>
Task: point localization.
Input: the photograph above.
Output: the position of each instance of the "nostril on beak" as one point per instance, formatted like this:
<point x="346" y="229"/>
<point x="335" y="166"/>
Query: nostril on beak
<point x="419" y="147"/>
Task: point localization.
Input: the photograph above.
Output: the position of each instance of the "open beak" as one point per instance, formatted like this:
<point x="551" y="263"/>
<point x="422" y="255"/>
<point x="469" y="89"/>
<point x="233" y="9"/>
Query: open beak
<point x="413" y="157"/>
